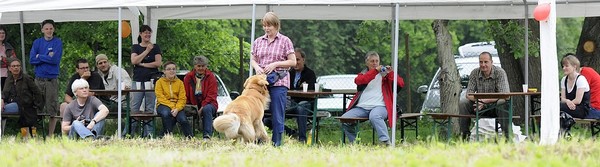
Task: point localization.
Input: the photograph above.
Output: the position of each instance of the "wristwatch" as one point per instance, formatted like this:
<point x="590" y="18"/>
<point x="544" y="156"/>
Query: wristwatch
<point x="94" y="121"/>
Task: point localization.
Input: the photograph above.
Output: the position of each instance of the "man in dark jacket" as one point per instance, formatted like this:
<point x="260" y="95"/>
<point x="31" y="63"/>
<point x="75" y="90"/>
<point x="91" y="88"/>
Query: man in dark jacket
<point x="201" y="90"/>
<point x="22" y="95"/>
<point x="300" y="75"/>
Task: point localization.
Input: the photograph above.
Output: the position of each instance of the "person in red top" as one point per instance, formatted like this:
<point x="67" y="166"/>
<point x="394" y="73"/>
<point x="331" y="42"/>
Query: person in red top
<point x="593" y="79"/>
<point x="374" y="98"/>
<point x="201" y="90"/>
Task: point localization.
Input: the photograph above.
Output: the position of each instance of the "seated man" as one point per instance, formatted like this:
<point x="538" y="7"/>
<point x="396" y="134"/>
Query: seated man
<point x="108" y="73"/>
<point x="299" y="75"/>
<point x="82" y="69"/>
<point x="85" y="115"/>
<point x="593" y="79"/>
<point x="488" y="78"/>
<point x="373" y="99"/>
<point x="201" y="90"/>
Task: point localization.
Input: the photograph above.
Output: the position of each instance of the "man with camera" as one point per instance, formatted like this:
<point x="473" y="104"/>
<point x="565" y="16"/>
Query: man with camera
<point x="85" y="115"/>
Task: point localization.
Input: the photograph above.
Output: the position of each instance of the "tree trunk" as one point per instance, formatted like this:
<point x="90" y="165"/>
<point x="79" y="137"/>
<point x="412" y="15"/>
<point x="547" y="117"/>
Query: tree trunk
<point x="515" y="67"/>
<point x="449" y="80"/>
<point x="590" y="34"/>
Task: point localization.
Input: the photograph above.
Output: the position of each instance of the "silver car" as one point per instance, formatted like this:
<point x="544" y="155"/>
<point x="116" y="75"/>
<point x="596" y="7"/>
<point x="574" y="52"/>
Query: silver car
<point x="465" y="64"/>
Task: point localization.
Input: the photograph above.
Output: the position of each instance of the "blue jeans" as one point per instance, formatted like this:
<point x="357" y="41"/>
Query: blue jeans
<point x="278" y="99"/>
<point x="208" y="113"/>
<point x="301" y="109"/>
<point x="77" y="128"/>
<point x="593" y="114"/>
<point x="377" y="118"/>
<point x="11" y="108"/>
<point x="169" y="121"/>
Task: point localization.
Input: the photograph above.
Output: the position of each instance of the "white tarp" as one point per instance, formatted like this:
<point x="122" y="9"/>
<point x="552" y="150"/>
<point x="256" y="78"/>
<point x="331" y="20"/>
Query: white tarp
<point x="93" y="10"/>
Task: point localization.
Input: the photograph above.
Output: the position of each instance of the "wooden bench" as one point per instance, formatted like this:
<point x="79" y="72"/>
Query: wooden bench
<point x="444" y="120"/>
<point x="40" y="121"/>
<point x="593" y="123"/>
<point x="408" y="121"/>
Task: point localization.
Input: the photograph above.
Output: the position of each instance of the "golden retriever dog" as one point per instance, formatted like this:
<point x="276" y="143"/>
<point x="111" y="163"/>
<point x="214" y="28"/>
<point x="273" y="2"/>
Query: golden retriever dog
<point x="242" y="119"/>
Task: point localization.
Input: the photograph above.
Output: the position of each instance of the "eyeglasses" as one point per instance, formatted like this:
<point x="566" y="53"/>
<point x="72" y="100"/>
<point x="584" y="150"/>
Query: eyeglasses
<point x="15" y="66"/>
<point x="84" y="68"/>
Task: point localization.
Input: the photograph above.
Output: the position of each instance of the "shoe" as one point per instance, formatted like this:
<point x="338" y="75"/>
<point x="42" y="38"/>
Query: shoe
<point x="206" y="139"/>
<point x="386" y="143"/>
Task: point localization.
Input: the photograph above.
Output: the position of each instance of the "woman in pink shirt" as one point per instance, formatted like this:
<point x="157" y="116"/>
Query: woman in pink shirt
<point x="274" y="53"/>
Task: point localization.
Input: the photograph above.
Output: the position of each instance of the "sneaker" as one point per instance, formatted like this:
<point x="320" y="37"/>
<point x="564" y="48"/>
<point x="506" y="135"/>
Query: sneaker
<point x="206" y="139"/>
<point x="386" y="143"/>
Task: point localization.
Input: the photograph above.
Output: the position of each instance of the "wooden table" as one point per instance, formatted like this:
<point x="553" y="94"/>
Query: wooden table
<point x="315" y="95"/>
<point x="508" y="96"/>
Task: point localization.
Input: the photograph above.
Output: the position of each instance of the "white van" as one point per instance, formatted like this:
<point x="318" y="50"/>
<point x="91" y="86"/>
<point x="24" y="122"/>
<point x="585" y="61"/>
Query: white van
<point x="466" y="62"/>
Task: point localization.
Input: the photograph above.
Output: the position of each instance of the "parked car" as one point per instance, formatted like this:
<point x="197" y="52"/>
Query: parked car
<point x="223" y="95"/>
<point x="465" y="63"/>
<point x="334" y="103"/>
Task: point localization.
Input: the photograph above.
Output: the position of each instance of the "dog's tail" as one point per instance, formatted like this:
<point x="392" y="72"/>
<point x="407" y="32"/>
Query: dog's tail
<point x="228" y="124"/>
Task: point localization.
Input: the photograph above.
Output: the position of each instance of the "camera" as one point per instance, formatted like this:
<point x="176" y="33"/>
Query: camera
<point x="84" y="120"/>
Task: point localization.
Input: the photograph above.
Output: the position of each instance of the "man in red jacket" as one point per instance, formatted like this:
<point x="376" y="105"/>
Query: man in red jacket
<point x="374" y="98"/>
<point x="201" y="90"/>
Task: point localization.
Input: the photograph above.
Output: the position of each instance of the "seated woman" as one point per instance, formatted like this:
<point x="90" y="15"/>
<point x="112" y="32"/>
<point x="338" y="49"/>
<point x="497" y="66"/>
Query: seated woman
<point x="170" y="95"/>
<point x="373" y="99"/>
<point x="201" y="90"/>
<point x="574" y="94"/>
<point x="21" y="95"/>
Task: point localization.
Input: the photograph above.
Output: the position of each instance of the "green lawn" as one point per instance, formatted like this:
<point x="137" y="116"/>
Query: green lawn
<point x="176" y="152"/>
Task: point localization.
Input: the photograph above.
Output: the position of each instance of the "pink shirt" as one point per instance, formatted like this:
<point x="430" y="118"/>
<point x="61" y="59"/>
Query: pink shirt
<point x="265" y="53"/>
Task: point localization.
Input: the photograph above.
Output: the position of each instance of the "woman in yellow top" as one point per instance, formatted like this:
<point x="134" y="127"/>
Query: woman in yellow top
<point x="170" y="95"/>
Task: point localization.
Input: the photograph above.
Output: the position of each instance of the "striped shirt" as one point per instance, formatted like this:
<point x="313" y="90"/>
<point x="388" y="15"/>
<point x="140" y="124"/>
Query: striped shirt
<point x="497" y="82"/>
<point x="265" y="53"/>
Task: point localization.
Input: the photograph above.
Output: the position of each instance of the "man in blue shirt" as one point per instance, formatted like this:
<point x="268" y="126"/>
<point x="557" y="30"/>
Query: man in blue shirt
<point x="45" y="56"/>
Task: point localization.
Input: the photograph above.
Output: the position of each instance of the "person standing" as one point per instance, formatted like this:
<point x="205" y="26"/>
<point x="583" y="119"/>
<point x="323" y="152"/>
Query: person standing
<point x="273" y="54"/>
<point x="201" y="90"/>
<point x="45" y="55"/>
<point x="146" y="57"/>
<point x="6" y="51"/>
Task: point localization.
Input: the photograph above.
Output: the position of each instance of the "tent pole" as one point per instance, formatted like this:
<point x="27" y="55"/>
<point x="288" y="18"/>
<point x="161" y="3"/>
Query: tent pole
<point x="395" y="64"/>
<point x="252" y="38"/>
<point x="24" y="65"/>
<point x="526" y="65"/>
<point x="119" y="86"/>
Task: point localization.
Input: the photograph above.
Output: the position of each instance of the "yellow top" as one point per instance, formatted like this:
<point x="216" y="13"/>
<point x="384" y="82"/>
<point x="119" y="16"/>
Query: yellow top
<point x="170" y="93"/>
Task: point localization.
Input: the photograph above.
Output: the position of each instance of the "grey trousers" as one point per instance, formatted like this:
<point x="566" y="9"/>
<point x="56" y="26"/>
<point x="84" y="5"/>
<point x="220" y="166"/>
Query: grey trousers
<point x="466" y="107"/>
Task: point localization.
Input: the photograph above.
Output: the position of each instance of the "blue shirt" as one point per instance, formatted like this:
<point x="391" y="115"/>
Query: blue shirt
<point x="46" y="66"/>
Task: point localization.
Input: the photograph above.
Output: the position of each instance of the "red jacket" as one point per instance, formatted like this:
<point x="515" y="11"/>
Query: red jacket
<point x="209" y="89"/>
<point x="364" y="78"/>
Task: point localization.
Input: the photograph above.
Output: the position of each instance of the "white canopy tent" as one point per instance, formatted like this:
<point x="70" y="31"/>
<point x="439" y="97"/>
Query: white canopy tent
<point x="154" y="10"/>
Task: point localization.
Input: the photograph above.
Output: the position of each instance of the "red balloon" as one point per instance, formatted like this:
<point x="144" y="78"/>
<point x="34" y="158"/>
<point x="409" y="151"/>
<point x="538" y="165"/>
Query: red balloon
<point x="541" y="12"/>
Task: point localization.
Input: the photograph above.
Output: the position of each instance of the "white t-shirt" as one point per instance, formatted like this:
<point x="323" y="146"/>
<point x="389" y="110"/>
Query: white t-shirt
<point x="372" y="96"/>
<point x="581" y="83"/>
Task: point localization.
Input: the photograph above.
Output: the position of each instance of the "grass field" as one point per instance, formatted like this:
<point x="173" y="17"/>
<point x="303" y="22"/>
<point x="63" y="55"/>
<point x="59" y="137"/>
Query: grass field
<point x="582" y="150"/>
<point x="171" y="151"/>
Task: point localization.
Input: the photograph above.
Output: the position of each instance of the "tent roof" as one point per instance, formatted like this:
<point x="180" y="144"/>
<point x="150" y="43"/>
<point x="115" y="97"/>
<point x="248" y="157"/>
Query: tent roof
<point x="93" y="10"/>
